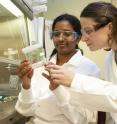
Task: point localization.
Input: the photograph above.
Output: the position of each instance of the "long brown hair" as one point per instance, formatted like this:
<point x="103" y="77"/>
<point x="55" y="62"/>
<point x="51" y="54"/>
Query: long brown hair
<point x="102" y="13"/>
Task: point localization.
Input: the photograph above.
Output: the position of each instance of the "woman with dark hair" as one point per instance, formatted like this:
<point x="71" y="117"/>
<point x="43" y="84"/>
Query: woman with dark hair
<point x="76" y="26"/>
<point x="50" y="103"/>
<point x="99" y="30"/>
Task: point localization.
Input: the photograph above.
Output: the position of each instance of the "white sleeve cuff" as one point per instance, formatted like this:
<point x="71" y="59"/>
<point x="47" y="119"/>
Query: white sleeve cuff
<point x="26" y="95"/>
<point x="76" y="82"/>
<point x="62" y="95"/>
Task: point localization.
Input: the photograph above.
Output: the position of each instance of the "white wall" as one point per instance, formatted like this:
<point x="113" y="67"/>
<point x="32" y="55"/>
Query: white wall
<point x="57" y="7"/>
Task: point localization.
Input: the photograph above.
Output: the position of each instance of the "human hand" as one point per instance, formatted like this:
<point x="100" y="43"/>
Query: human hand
<point x="25" y="73"/>
<point x="52" y="85"/>
<point x="60" y="75"/>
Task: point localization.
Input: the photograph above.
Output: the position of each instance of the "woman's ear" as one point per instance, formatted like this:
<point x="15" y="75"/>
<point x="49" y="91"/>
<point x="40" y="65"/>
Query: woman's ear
<point x="109" y="30"/>
<point x="110" y="26"/>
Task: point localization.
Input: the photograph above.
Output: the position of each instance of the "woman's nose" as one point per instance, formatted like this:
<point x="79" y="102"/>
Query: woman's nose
<point x="84" y="38"/>
<point x="61" y="37"/>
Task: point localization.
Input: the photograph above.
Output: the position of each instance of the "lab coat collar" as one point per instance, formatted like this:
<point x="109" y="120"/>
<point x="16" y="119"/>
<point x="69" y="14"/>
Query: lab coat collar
<point x="114" y="65"/>
<point x="74" y="60"/>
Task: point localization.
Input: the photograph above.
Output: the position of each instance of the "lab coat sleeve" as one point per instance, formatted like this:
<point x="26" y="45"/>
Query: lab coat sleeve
<point x="76" y="116"/>
<point x="93" y="93"/>
<point x="26" y="103"/>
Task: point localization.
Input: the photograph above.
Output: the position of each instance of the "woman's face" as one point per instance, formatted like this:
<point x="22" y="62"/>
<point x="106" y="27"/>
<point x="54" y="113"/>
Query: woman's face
<point x="64" y="37"/>
<point x="94" y="39"/>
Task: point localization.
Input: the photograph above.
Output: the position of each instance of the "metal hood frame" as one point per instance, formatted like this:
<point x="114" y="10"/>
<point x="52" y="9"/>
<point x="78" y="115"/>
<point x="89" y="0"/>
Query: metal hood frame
<point x="24" y="7"/>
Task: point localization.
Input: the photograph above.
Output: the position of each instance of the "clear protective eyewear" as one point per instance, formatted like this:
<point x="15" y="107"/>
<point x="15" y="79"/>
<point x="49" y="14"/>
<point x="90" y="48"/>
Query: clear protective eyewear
<point x="87" y="31"/>
<point x="67" y="35"/>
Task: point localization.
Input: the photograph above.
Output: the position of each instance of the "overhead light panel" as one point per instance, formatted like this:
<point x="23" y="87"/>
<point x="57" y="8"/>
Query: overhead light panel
<point x="11" y="7"/>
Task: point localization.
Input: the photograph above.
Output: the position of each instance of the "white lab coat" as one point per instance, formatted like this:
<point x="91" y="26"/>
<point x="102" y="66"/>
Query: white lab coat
<point x="96" y="94"/>
<point x="49" y="107"/>
<point x="111" y="75"/>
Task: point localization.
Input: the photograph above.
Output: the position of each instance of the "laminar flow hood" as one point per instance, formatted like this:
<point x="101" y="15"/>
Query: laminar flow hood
<point x="25" y="7"/>
<point x="31" y="7"/>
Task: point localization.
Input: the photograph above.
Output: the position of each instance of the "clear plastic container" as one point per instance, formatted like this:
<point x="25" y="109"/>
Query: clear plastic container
<point x="36" y="55"/>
